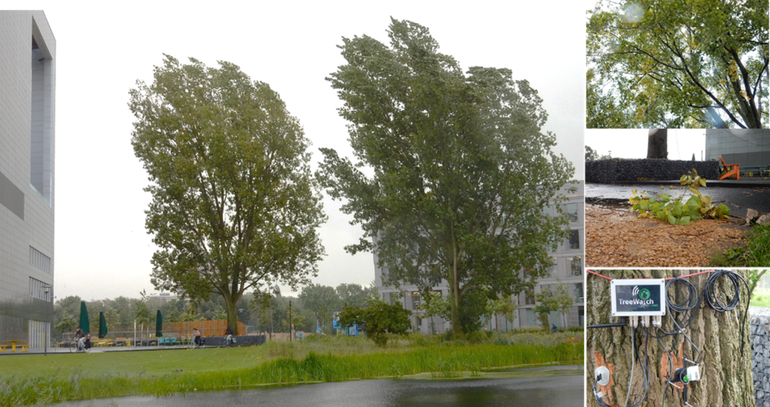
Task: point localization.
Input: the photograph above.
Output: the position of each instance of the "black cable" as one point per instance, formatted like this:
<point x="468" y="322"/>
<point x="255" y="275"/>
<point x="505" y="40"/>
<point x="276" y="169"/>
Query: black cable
<point x="596" y="394"/>
<point x="692" y="303"/>
<point x="709" y="291"/>
<point x="644" y="365"/>
<point x="612" y="325"/>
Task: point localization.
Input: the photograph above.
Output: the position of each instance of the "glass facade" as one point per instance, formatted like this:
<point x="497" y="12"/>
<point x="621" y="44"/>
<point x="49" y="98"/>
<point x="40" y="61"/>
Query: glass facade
<point x="747" y="147"/>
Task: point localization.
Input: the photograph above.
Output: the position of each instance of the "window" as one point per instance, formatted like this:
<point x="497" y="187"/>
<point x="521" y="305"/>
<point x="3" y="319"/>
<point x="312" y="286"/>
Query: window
<point x="576" y="266"/>
<point x="41" y="117"/>
<point x="554" y="270"/>
<point x="529" y="299"/>
<point x="578" y="292"/>
<point x="531" y="318"/>
<point x="39" y="260"/>
<point x="574" y="239"/>
<point x="416" y="300"/>
<point x="37" y="289"/>
<point x="572" y="211"/>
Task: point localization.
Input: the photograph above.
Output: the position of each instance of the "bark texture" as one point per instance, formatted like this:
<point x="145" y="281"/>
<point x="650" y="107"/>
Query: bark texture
<point x="726" y="377"/>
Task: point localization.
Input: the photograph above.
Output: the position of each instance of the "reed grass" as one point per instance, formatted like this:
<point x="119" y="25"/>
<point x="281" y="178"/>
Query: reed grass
<point x="100" y="375"/>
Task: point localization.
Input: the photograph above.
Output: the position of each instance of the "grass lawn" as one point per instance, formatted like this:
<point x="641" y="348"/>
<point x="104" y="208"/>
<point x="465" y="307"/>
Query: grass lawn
<point x="31" y="379"/>
<point x="760" y="298"/>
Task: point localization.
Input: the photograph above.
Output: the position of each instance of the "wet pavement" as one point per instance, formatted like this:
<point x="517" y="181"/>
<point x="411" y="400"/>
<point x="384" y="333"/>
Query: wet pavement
<point x="737" y="195"/>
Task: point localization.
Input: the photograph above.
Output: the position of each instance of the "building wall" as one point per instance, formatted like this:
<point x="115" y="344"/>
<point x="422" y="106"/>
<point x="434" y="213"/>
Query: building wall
<point x="570" y="251"/>
<point x="27" y="83"/>
<point x="748" y="147"/>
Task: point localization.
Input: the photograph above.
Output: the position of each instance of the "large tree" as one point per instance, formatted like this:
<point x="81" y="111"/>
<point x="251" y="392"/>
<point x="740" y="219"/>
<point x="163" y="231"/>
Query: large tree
<point x="677" y="63"/>
<point x="355" y="295"/>
<point x="720" y="341"/>
<point x="458" y="171"/>
<point x="322" y="300"/>
<point x="233" y="201"/>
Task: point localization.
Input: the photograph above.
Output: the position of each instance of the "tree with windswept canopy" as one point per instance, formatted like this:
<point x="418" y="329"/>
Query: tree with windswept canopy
<point x="460" y="170"/>
<point x="234" y="205"/>
<point x="677" y="63"/>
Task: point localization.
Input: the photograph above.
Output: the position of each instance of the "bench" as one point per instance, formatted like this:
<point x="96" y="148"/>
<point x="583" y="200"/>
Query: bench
<point x="23" y="347"/>
<point x="730" y="170"/>
<point x="3" y="347"/>
<point x="102" y="342"/>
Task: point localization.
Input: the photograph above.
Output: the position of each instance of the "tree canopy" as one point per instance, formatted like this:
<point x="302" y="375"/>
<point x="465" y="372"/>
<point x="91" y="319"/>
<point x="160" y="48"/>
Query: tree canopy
<point x="233" y="204"/>
<point x="378" y="319"/>
<point x="322" y="300"/>
<point x="460" y="170"/>
<point x="682" y="63"/>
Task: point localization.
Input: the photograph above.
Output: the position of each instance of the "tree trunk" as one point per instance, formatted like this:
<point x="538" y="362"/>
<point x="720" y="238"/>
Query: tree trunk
<point x="657" y="143"/>
<point x="457" y="329"/>
<point x="726" y="376"/>
<point x="232" y="313"/>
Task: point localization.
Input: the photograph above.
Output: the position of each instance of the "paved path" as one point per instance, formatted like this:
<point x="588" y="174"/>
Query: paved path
<point x="737" y="196"/>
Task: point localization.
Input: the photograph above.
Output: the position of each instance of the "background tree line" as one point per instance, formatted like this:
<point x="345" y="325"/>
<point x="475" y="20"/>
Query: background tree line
<point x="263" y="312"/>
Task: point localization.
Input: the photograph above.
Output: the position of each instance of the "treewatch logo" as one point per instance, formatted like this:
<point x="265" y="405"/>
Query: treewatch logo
<point x="641" y="297"/>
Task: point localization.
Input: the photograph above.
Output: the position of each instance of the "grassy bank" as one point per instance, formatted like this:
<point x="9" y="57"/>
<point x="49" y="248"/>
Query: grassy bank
<point x="36" y="379"/>
<point x="756" y="252"/>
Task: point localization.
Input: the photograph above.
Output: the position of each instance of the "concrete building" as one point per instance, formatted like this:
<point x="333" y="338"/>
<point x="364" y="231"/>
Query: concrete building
<point x="568" y="271"/>
<point x="748" y="147"/>
<point x="27" y="94"/>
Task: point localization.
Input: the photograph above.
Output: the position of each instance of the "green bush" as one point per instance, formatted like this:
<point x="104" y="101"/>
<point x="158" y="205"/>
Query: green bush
<point x="379" y="320"/>
<point x="673" y="210"/>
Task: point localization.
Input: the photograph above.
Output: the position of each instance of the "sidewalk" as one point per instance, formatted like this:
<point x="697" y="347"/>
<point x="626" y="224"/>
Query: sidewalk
<point x="746" y="182"/>
<point x="737" y="195"/>
<point x="57" y="351"/>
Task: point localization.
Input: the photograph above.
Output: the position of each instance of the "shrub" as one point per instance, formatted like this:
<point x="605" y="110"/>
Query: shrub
<point x="673" y="210"/>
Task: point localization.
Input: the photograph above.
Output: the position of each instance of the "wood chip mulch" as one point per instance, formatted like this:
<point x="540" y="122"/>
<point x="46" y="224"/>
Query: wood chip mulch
<point x="615" y="237"/>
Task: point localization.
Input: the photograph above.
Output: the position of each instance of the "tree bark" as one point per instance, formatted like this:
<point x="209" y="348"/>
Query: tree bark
<point x="726" y="376"/>
<point x="657" y="143"/>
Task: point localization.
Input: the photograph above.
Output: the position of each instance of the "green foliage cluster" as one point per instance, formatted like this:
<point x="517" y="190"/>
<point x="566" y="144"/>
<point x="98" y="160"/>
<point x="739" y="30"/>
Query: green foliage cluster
<point x="234" y="205"/>
<point x="460" y="170"/>
<point x="669" y="64"/>
<point x="756" y="252"/>
<point x="378" y="319"/>
<point x="673" y="210"/>
<point x="550" y="300"/>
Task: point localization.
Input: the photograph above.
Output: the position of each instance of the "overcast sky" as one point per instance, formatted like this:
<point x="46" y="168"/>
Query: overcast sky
<point x="103" y="48"/>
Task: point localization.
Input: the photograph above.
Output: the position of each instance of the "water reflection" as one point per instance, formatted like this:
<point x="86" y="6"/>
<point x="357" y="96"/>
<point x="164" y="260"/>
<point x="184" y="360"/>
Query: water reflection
<point x="554" y="391"/>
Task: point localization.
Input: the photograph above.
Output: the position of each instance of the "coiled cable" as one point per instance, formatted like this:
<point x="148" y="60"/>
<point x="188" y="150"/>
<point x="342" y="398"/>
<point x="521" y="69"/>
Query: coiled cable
<point x="710" y="292"/>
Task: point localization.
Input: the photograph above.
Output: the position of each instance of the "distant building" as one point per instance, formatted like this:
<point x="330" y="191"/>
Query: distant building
<point x="747" y="147"/>
<point x="27" y="94"/>
<point x="568" y="270"/>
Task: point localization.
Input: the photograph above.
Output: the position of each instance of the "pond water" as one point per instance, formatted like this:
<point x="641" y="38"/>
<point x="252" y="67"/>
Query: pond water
<point x="552" y="391"/>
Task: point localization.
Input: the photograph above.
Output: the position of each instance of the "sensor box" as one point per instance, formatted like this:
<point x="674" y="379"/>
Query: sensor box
<point x="638" y="297"/>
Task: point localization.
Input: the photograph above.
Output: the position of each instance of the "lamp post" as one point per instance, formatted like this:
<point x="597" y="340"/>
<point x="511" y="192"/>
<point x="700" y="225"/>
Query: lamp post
<point x="47" y="290"/>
